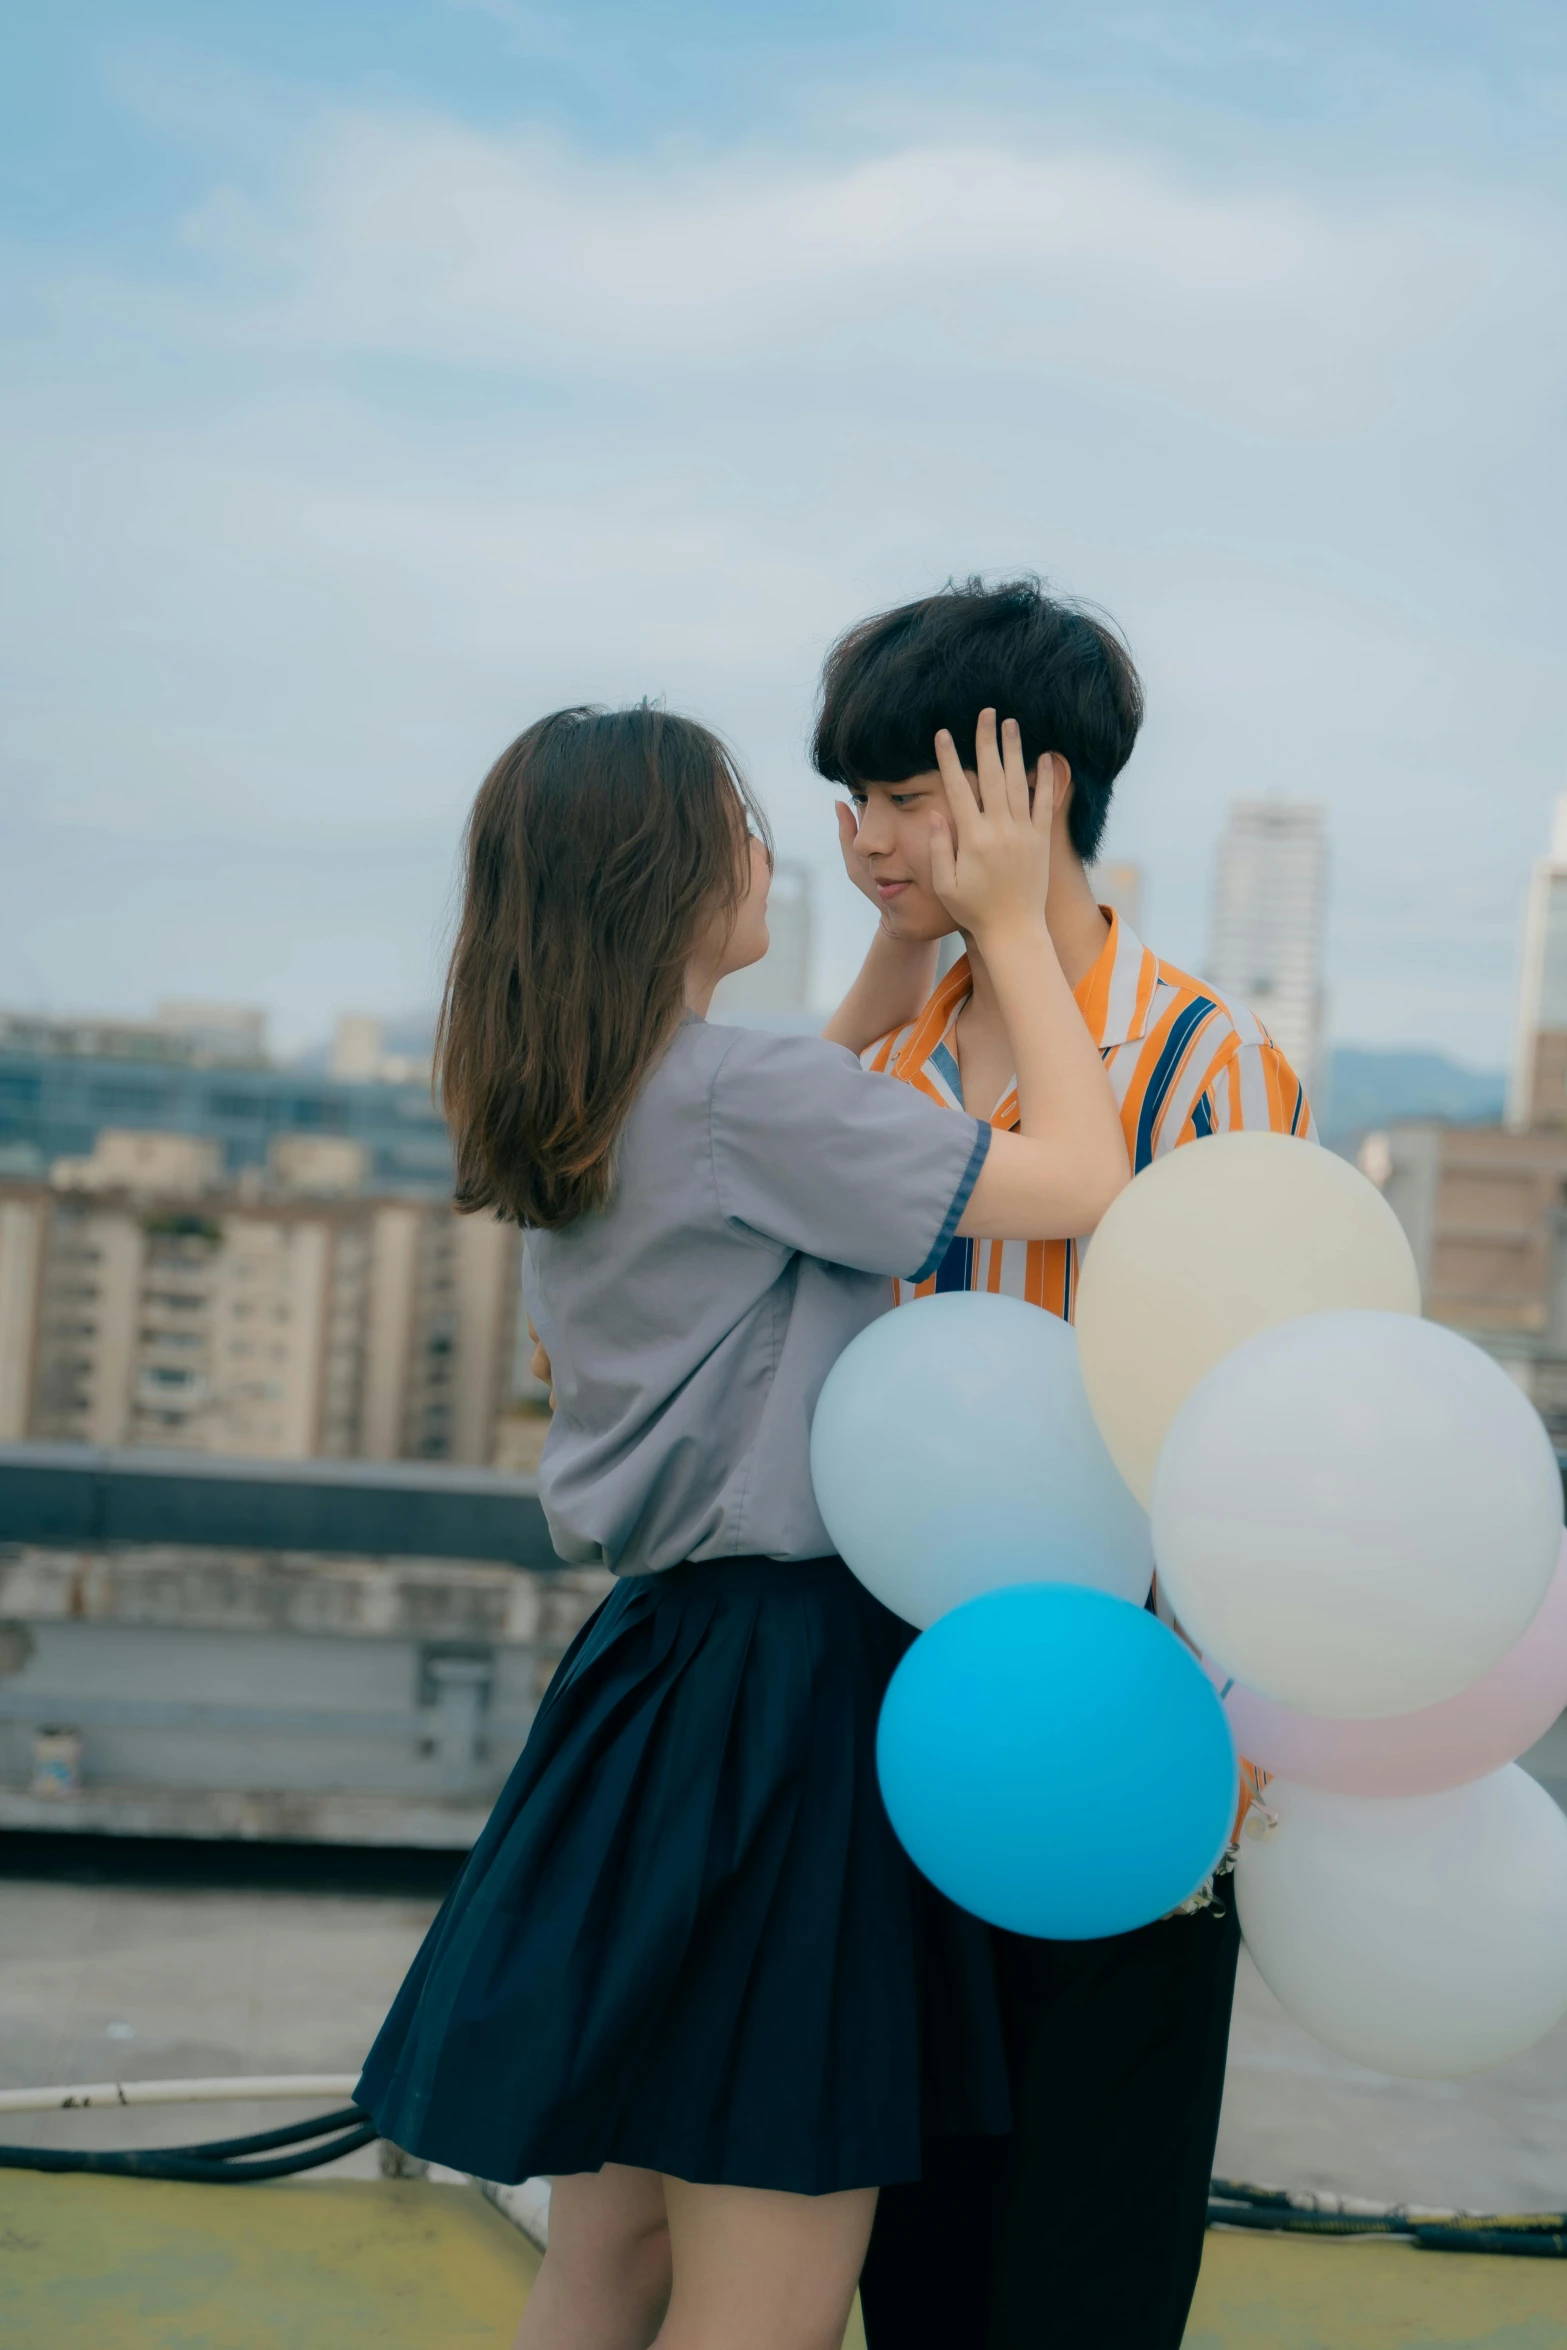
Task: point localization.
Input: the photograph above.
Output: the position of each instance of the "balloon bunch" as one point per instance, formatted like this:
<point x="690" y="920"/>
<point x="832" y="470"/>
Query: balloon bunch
<point x="1357" y="1520"/>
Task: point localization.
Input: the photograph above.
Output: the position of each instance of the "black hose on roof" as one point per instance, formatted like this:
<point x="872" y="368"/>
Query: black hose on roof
<point x="225" y="2162"/>
<point x="1541" y="2235"/>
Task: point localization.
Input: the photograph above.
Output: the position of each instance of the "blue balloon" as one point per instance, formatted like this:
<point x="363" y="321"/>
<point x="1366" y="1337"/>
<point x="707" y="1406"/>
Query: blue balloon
<point x="953" y="1451"/>
<point x="1057" y="1762"/>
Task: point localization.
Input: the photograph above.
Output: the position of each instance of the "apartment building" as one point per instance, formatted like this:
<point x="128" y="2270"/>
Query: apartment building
<point x="1270" y="902"/>
<point x="146" y="1298"/>
<point x="1538" y="1095"/>
<point x="201" y="1070"/>
<point x="1485" y="1207"/>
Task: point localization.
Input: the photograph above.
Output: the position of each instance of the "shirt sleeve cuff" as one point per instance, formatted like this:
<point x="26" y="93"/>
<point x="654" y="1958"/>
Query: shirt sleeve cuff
<point x="960" y="1200"/>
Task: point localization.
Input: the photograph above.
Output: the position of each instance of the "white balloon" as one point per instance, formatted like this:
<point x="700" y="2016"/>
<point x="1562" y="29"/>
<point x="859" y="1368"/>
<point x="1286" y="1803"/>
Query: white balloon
<point x="953" y="1451"/>
<point x="1356" y="1513"/>
<point x="1211" y="1244"/>
<point x="1418" y="1934"/>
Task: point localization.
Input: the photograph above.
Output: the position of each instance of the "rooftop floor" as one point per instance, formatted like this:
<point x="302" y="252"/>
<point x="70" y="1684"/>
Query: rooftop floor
<point x="193" y="1977"/>
<point x="124" y="1978"/>
<point x="131" y="1979"/>
<point x="402" y="2265"/>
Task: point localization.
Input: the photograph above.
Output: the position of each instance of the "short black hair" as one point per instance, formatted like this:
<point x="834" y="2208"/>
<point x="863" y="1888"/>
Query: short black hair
<point x="1061" y="671"/>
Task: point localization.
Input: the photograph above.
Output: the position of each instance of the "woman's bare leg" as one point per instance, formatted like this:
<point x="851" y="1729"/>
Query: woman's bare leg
<point x="604" y="2282"/>
<point x="756" y="2270"/>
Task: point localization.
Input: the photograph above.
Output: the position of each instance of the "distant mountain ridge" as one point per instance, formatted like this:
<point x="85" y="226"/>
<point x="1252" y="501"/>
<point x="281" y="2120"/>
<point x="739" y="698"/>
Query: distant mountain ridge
<point x="1368" y="1087"/>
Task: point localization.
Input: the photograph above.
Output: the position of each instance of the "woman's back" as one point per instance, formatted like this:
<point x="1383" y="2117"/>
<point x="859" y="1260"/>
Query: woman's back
<point x="764" y="1191"/>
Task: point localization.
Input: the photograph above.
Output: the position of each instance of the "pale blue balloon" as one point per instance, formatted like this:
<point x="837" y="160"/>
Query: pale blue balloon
<point x="1056" y="1762"/>
<point x="953" y="1452"/>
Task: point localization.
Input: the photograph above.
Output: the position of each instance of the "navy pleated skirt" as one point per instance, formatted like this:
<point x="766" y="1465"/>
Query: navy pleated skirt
<point x="687" y="1938"/>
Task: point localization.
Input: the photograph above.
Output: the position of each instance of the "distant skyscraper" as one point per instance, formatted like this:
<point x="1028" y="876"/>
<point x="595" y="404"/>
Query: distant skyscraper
<point x="779" y="986"/>
<point x="1268" y="912"/>
<point x="1119" y="883"/>
<point x="1539" y="1087"/>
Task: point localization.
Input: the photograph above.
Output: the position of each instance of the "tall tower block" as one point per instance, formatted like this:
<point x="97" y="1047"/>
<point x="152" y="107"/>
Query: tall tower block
<point x="1538" y="1096"/>
<point x="1268" y="911"/>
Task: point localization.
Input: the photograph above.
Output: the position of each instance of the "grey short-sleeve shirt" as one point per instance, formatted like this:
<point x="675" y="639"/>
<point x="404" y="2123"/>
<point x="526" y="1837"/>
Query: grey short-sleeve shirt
<point x="765" y="1189"/>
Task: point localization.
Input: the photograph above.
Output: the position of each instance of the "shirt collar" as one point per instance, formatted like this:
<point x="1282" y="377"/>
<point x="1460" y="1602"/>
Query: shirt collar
<point x="1117" y="995"/>
<point x="1114" y="997"/>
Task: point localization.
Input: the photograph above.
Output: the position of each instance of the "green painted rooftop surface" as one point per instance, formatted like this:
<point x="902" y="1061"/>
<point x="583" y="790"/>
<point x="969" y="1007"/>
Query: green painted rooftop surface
<point x="403" y="2265"/>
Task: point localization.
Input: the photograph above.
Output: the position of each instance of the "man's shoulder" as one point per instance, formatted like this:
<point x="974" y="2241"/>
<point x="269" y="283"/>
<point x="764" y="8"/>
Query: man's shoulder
<point x="1221" y="1021"/>
<point x="1218" y="1070"/>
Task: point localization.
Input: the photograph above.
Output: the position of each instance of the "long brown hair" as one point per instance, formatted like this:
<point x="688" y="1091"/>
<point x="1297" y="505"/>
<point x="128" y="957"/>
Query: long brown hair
<point x="601" y="845"/>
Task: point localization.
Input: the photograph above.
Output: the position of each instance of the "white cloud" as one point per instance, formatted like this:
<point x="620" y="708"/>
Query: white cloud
<point x="424" y="238"/>
<point x="460" y="425"/>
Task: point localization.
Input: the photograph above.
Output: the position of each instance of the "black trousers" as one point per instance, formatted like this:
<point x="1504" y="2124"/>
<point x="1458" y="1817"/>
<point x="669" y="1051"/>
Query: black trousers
<point x="1086" y="2226"/>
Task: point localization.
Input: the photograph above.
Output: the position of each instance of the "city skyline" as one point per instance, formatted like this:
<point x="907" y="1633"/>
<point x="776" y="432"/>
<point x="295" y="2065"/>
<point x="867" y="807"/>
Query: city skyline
<point x="1269" y="895"/>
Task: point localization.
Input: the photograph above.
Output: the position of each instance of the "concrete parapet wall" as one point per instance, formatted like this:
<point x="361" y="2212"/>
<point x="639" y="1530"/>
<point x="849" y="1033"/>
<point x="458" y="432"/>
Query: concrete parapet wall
<point x="221" y="1590"/>
<point x="214" y="1692"/>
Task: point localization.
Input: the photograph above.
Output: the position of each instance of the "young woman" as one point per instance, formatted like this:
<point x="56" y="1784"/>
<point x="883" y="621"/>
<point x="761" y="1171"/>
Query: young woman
<point x="683" y="1970"/>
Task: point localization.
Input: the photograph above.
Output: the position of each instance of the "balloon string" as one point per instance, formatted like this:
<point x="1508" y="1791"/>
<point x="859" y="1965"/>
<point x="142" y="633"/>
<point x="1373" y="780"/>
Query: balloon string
<point x="1259" y="1821"/>
<point x="1225" y="1691"/>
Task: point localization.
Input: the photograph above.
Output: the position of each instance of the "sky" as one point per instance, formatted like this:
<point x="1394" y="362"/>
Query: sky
<point x="376" y="377"/>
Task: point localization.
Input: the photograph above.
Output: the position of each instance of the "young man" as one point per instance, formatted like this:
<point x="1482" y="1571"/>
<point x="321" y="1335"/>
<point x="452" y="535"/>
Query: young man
<point x="1087" y="2225"/>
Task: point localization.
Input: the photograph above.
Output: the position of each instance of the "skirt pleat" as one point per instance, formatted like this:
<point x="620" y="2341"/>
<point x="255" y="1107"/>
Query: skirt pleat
<point x="687" y="1938"/>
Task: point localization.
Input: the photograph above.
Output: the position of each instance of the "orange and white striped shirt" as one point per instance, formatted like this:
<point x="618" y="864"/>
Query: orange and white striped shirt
<point x="1182" y="1064"/>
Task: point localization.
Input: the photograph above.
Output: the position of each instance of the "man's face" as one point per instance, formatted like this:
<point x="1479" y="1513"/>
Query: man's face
<point x="892" y="846"/>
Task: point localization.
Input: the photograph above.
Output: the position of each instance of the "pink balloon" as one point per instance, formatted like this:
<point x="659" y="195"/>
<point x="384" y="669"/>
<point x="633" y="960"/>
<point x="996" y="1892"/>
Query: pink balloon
<point x="1488" y="1724"/>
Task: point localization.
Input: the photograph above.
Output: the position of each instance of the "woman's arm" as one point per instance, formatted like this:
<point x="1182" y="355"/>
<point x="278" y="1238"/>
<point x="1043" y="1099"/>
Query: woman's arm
<point x="892" y="988"/>
<point x="1059" y="1172"/>
<point x="896" y="976"/>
